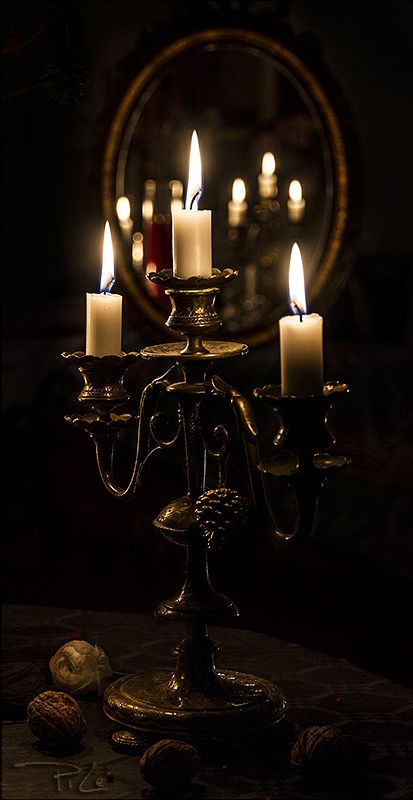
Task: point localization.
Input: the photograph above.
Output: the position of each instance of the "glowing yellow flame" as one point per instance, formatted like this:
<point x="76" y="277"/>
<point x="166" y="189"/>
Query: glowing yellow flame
<point x="295" y="192"/>
<point x="194" y="175"/>
<point x="268" y="164"/>
<point x="108" y="261"/>
<point x="238" y="191"/>
<point x="123" y="209"/>
<point x="296" y="282"/>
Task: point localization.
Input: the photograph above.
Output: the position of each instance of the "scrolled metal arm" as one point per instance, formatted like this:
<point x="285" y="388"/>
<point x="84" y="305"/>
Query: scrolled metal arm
<point x="102" y="393"/>
<point x="105" y="444"/>
<point x="300" y="461"/>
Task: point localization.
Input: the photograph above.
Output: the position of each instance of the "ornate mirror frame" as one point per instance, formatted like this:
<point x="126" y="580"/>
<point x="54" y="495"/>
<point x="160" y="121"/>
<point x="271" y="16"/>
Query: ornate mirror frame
<point x="300" y="58"/>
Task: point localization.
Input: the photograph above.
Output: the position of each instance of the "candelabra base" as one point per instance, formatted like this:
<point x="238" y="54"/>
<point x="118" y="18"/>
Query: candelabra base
<point x="153" y="704"/>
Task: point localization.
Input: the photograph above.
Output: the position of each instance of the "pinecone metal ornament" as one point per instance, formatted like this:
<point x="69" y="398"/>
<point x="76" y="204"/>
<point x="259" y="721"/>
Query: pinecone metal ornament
<point x="221" y="513"/>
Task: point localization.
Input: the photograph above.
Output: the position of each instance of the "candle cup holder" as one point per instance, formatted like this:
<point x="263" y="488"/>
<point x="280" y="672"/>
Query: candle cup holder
<point x="301" y="443"/>
<point x="103" y="390"/>
<point x="193" y="299"/>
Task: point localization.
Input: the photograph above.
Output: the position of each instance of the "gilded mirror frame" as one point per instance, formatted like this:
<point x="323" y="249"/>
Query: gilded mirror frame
<point x="305" y="67"/>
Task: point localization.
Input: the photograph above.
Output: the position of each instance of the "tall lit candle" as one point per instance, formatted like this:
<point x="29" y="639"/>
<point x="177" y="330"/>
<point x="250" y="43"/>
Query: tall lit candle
<point x="191" y="228"/>
<point x="301" y="339"/>
<point x="267" y="179"/>
<point x="104" y="310"/>
<point x="237" y="207"/>
<point x="296" y="202"/>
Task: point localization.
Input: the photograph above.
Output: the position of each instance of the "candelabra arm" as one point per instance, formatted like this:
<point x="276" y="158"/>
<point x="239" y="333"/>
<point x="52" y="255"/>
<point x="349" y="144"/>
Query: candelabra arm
<point x="102" y="393"/>
<point x="241" y="405"/>
<point x="305" y="491"/>
<point x="249" y="433"/>
<point x="301" y="460"/>
<point x="146" y="432"/>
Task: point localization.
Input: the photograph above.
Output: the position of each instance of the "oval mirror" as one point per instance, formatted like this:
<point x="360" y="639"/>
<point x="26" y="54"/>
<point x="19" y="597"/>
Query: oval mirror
<point x="278" y="167"/>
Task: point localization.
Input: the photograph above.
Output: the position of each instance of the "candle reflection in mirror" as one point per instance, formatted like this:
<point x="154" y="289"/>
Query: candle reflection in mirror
<point x="123" y="210"/>
<point x="137" y="249"/>
<point x="177" y="190"/>
<point x="148" y="203"/>
<point x="301" y="338"/>
<point x="267" y="179"/>
<point x="237" y="206"/>
<point x="296" y="202"/>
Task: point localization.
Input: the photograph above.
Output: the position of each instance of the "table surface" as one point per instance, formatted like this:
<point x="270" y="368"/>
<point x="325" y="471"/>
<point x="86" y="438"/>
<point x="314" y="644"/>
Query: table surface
<point x="319" y="690"/>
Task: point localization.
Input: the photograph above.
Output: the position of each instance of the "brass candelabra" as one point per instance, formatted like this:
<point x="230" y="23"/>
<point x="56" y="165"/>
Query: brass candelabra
<point x="195" y="699"/>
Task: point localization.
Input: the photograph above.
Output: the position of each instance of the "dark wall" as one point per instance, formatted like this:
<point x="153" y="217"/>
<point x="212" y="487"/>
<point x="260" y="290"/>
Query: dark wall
<point x="65" y="540"/>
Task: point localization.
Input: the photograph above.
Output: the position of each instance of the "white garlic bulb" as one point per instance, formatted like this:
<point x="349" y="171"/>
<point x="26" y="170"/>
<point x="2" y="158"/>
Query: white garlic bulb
<point x="79" y="668"/>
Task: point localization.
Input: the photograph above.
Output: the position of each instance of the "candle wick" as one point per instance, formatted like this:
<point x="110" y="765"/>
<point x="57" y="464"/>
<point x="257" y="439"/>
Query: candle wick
<point x="195" y="197"/>
<point x="108" y="287"/>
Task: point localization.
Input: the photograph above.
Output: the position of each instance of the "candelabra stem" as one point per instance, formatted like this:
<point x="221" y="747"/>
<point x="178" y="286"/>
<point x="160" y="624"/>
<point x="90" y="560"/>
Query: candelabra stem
<point x="197" y="570"/>
<point x="195" y="669"/>
<point x="189" y="394"/>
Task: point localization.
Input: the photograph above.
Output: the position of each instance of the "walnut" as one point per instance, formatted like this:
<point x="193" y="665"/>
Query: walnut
<point x="56" y="718"/>
<point x="170" y="764"/>
<point x="325" y="748"/>
<point x="79" y="667"/>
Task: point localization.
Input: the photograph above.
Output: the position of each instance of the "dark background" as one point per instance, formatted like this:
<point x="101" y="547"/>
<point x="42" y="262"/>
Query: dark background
<point x="66" y="542"/>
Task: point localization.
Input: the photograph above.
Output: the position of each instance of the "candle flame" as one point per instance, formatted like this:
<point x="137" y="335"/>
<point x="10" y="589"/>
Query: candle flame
<point x="296" y="282"/>
<point x="268" y="164"/>
<point x="295" y="191"/>
<point x="238" y="191"/>
<point x="194" y="189"/>
<point x="108" y="262"/>
<point x="123" y="209"/>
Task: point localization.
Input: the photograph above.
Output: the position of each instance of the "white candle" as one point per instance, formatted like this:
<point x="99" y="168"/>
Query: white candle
<point x="301" y="339"/>
<point x="191" y="228"/>
<point x="296" y="202"/>
<point x="104" y="310"/>
<point x="237" y="207"/>
<point x="125" y="221"/>
<point x="267" y="180"/>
